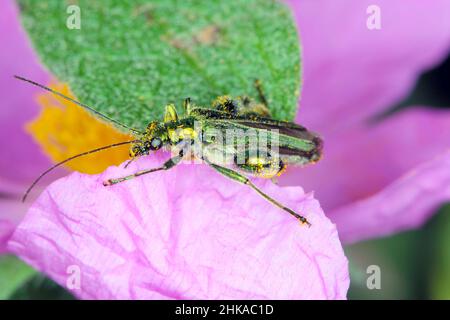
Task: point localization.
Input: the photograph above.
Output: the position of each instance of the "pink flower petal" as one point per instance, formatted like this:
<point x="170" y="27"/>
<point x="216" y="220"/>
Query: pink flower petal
<point x="360" y="162"/>
<point x="351" y="72"/>
<point x="22" y="159"/>
<point x="11" y="212"/>
<point x="405" y="204"/>
<point x="18" y="101"/>
<point x="6" y="230"/>
<point x="188" y="233"/>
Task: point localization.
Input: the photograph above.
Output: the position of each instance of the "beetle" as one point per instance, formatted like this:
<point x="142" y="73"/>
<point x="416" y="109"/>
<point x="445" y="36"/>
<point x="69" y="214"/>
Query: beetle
<point x="255" y="145"/>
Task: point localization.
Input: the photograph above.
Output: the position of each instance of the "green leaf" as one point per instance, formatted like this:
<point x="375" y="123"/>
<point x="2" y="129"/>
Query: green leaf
<point x="131" y="58"/>
<point x="39" y="287"/>
<point x="13" y="274"/>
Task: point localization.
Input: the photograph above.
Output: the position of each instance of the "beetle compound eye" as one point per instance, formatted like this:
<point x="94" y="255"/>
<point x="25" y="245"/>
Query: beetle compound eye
<point x="155" y="143"/>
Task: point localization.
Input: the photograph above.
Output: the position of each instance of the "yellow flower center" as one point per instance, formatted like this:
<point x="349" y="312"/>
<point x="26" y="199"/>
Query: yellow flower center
<point x="64" y="129"/>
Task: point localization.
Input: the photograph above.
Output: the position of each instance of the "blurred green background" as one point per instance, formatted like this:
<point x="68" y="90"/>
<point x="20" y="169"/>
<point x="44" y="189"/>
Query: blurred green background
<point x="414" y="264"/>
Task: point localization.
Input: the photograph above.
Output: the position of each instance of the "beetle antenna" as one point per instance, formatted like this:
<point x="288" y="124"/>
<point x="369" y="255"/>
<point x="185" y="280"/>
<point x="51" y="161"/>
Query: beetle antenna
<point x="78" y="103"/>
<point x="69" y="159"/>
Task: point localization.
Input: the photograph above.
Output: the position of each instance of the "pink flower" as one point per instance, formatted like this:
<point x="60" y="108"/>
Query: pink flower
<point x="190" y="233"/>
<point x="187" y="233"/>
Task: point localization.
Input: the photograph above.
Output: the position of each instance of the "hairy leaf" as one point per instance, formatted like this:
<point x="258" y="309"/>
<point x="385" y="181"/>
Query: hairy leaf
<point x="130" y="58"/>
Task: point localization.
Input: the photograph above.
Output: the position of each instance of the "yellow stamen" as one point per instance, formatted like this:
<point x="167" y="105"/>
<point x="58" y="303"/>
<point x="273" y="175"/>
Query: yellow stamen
<point x="64" y="129"/>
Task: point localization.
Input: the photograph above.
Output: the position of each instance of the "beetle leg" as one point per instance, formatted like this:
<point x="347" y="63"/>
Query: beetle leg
<point x="261" y="95"/>
<point x="244" y="180"/>
<point x="166" y="166"/>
